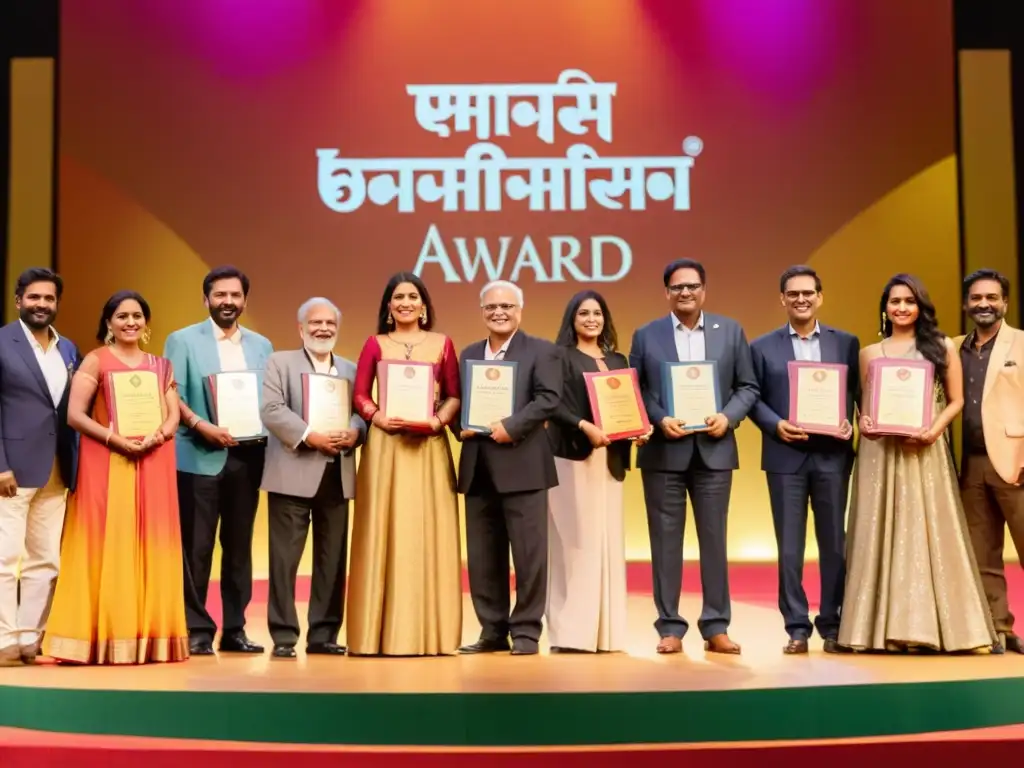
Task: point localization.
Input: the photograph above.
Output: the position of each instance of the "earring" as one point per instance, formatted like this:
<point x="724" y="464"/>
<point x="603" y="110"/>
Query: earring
<point x="423" y="317"/>
<point x="109" y="338"/>
<point x="391" y="319"/>
<point x="881" y="331"/>
<point x="147" y="335"/>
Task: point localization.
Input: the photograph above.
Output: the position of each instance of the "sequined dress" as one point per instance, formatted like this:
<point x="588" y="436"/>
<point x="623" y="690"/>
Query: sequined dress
<point x="912" y="580"/>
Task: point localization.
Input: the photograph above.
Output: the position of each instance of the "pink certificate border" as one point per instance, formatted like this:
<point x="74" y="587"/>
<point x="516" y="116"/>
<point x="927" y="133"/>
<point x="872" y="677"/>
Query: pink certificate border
<point x="793" y="369"/>
<point x="875" y="383"/>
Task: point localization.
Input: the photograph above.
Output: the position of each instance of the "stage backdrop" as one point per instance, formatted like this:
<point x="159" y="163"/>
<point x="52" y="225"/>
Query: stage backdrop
<point x="322" y="146"/>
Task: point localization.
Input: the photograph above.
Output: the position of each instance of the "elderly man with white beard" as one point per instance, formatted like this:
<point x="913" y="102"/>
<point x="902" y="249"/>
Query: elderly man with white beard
<point x="309" y="475"/>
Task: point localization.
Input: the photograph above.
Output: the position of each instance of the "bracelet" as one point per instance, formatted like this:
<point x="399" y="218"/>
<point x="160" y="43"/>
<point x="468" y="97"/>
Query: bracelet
<point x="110" y="433"/>
<point x="195" y="421"/>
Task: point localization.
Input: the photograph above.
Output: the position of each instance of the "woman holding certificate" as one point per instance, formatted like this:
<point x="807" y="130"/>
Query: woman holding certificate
<point x="405" y="580"/>
<point x="912" y="582"/>
<point x="119" y="598"/>
<point x="586" y="604"/>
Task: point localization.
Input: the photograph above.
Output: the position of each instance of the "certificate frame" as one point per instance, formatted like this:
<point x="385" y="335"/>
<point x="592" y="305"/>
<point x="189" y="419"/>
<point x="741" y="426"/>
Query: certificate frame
<point x="212" y="392"/>
<point x="669" y="395"/>
<point x="307" y="377"/>
<point x="793" y="369"/>
<point x="467" y="390"/>
<point x="592" y="380"/>
<point x="875" y="368"/>
<point x="109" y="390"/>
<point x="429" y="400"/>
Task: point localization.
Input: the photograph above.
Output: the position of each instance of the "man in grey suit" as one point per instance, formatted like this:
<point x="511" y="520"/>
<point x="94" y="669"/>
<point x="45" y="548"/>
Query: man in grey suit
<point x="308" y="474"/>
<point x="804" y="468"/>
<point x="676" y="462"/>
<point x="38" y="461"/>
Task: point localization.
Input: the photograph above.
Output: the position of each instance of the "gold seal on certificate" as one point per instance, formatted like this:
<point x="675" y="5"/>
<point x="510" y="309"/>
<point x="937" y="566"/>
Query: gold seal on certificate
<point x="616" y="403"/>
<point x="488" y="393"/>
<point x="817" y="397"/>
<point x="235" y="397"/>
<point x="405" y="390"/>
<point x="326" y="402"/>
<point x="691" y="392"/>
<point x="136" y="403"/>
<point x="902" y="395"/>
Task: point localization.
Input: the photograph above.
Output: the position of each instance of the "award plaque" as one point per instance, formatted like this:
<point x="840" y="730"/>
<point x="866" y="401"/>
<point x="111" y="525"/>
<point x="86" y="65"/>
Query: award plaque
<point x="691" y="392"/>
<point x="406" y="390"/>
<point x="326" y="403"/>
<point x="135" y="401"/>
<point x="488" y="393"/>
<point x="817" y="397"/>
<point x="616" y="404"/>
<point x="902" y="395"/>
<point x="235" y="403"/>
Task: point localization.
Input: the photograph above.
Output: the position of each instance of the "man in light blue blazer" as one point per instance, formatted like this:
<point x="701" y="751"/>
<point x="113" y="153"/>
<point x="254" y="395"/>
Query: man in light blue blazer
<point x="678" y="462"/>
<point x="218" y="477"/>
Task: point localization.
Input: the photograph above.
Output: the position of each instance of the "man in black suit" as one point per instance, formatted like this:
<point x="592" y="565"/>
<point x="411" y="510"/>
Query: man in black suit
<point x="678" y="462"/>
<point x="505" y="477"/>
<point x="804" y="468"/>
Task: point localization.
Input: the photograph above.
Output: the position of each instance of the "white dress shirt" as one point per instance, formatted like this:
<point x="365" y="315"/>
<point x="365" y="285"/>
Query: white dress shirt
<point x="229" y="349"/>
<point x="807" y="349"/>
<point x="500" y="354"/>
<point x="689" y="341"/>
<point x="54" y="369"/>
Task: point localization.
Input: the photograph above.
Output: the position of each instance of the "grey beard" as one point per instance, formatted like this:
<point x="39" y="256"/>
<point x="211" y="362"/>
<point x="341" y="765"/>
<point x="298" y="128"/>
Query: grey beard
<point x="317" y="346"/>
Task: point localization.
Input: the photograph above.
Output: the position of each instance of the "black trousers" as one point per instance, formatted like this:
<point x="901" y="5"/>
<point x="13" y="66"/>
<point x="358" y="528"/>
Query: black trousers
<point x="826" y="491"/>
<point x="229" y="499"/>
<point x="290" y="518"/>
<point x="665" y="498"/>
<point x="494" y="523"/>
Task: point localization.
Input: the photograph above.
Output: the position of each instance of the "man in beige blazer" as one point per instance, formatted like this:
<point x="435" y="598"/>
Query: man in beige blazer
<point x="993" y="438"/>
<point x="308" y="475"/>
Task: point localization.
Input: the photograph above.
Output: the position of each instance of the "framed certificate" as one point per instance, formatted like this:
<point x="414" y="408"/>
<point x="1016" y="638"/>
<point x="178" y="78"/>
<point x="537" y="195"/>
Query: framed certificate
<point x="691" y="392"/>
<point x="235" y="403"/>
<point x="488" y="393"/>
<point x="902" y="395"/>
<point x="135" y="401"/>
<point x="326" y="402"/>
<point x="405" y="390"/>
<point x="616" y="404"/>
<point x="817" y="396"/>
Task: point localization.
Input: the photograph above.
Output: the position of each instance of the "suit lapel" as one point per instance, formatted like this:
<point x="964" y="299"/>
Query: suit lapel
<point x="206" y="350"/>
<point x="515" y="347"/>
<point x="714" y="338"/>
<point x="1000" y="351"/>
<point x="28" y="354"/>
<point x="666" y="335"/>
<point x="785" y="344"/>
<point x="829" y="346"/>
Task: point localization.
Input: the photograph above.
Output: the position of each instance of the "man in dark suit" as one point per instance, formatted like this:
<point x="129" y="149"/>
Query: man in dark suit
<point x="505" y="476"/>
<point x="804" y="468"/>
<point x="38" y="461"/>
<point x="678" y="461"/>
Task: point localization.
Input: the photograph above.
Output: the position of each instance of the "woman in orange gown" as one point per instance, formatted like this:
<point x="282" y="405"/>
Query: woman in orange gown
<point x="405" y="581"/>
<point x="119" y="598"/>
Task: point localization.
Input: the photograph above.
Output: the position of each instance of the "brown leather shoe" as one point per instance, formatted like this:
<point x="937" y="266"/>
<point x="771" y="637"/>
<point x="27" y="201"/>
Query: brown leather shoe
<point x="721" y="644"/>
<point x="795" y="646"/>
<point x="670" y="644"/>
<point x="1013" y="643"/>
<point x="831" y="645"/>
<point x="10" y="656"/>
<point x="29" y="653"/>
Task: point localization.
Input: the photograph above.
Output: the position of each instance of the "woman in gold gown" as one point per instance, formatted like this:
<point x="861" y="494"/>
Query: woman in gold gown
<point x="912" y="582"/>
<point x="405" y="581"/>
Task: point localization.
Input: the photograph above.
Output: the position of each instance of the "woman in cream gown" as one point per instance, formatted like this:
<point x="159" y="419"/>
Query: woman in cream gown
<point x="912" y="582"/>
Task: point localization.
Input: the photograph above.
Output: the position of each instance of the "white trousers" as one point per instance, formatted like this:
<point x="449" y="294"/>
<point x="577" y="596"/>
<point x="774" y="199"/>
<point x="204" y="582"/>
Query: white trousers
<point x="30" y="531"/>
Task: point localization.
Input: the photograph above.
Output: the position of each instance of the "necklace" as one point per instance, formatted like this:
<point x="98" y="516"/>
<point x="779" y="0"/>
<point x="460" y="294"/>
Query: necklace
<point x="408" y="347"/>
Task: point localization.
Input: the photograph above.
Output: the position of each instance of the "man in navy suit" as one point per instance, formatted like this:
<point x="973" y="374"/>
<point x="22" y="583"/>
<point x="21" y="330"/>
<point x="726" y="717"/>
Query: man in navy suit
<point x="38" y="457"/>
<point x="677" y="461"/>
<point x="804" y="468"/>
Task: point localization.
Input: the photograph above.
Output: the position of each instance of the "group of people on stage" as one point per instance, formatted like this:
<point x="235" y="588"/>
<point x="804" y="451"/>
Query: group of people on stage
<point x="922" y="567"/>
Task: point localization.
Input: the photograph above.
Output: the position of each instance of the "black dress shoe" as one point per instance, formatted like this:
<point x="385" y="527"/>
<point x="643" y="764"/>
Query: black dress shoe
<point x="1013" y="643"/>
<point x="832" y="646"/>
<point x="200" y="648"/>
<point x="486" y="646"/>
<point x="524" y="646"/>
<point x="325" y="649"/>
<point x="283" y="652"/>
<point x="239" y="644"/>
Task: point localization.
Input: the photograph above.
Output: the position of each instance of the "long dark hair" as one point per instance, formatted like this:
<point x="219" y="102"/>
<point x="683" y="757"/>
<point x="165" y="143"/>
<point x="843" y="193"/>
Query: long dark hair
<point x="389" y="290"/>
<point x="608" y="341"/>
<point x="931" y="342"/>
<point x="111" y="307"/>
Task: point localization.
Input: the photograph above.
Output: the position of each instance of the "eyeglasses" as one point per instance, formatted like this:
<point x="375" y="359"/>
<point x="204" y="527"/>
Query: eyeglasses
<point x="685" y="287"/>
<point x="490" y="309"/>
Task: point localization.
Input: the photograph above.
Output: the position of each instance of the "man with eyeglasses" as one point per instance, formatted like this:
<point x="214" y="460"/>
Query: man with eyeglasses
<point x="505" y="476"/>
<point x="677" y="461"/>
<point x="802" y="468"/>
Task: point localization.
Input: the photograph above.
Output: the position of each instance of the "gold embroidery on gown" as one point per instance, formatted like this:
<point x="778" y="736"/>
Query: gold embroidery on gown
<point x="912" y="580"/>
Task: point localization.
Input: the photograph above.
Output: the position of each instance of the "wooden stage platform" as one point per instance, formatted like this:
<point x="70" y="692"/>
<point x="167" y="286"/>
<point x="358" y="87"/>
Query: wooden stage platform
<point x="256" y="711"/>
